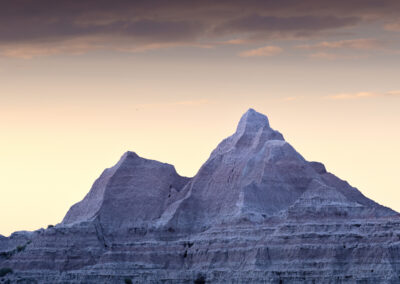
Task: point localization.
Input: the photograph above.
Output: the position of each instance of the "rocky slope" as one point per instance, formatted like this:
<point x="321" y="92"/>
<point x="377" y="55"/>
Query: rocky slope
<point x="256" y="212"/>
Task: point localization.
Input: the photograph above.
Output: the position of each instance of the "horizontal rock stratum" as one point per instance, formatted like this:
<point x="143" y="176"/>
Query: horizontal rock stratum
<point x="256" y="212"/>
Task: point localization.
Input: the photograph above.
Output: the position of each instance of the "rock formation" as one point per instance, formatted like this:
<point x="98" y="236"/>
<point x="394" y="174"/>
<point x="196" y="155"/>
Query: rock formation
<point x="256" y="212"/>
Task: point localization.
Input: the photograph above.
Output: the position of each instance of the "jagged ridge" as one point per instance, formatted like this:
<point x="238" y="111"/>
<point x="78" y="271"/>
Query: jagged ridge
<point x="256" y="207"/>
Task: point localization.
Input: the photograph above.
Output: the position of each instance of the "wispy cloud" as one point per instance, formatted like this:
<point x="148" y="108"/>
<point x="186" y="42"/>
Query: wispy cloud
<point x="160" y="45"/>
<point x="261" y="25"/>
<point x="363" y="95"/>
<point x="335" y="56"/>
<point x="393" y="26"/>
<point x="75" y="46"/>
<point x="83" y="45"/>
<point x="235" y="41"/>
<point x="360" y="44"/>
<point x="269" y="50"/>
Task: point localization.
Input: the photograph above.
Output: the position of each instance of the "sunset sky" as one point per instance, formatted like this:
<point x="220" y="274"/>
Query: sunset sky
<point x="81" y="82"/>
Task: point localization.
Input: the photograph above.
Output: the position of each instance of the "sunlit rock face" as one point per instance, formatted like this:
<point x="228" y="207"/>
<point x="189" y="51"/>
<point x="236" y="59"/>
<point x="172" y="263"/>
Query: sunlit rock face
<point x="256" y="212"/>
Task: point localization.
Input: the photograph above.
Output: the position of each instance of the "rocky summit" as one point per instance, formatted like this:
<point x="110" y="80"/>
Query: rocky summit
<point x="256" y="212"/>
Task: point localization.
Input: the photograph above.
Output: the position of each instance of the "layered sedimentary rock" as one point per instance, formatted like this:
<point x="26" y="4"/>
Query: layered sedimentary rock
<point x="256" y="212"/>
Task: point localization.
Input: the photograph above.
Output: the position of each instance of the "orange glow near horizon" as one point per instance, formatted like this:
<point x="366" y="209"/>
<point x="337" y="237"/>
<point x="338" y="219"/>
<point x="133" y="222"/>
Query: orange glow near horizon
<point x="51" y="157"/>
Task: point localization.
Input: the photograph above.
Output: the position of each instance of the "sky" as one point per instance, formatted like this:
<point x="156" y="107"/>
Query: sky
<point x="81" y="82"/>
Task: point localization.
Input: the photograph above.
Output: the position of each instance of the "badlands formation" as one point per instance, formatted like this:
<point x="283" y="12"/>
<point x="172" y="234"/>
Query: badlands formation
<point x="256" y="212"/>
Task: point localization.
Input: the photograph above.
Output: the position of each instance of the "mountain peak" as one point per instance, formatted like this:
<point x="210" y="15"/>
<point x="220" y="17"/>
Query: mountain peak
<point x="254" y="192"/>
<point x="130" y="154"/>
<point x="252" y="131"/>
<point x="252" y="120"/>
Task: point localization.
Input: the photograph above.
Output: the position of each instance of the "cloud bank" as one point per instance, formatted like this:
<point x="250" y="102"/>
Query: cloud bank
<point x="32" y="28"/>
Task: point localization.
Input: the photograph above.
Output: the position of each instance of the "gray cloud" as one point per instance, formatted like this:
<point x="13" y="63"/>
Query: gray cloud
<point x="359" y="43"/>
<point x="133" y="23"/>
<point x="309" y="23"/>
<point x="269" y="50"/>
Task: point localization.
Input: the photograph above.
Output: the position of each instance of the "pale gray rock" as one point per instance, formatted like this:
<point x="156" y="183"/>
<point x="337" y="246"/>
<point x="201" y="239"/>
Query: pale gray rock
<point x="253" y="174"/>
<point x="256" y="212"/>
<point x="129" y="195"/>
